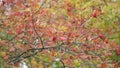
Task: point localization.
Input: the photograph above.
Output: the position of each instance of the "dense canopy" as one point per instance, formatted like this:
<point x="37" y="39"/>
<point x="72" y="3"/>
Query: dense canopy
<point x="60" y="33"/>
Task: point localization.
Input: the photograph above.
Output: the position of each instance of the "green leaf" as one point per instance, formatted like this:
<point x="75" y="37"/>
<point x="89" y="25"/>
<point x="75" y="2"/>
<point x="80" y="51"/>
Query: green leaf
<point x="1" y="63"/>
<point x="9" y="36"/>
<point x="5" y="36"/>
<point x="57" y="64"/>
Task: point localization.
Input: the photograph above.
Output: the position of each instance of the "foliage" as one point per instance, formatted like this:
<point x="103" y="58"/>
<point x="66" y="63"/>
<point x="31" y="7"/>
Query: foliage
<point x="60" y="33"/>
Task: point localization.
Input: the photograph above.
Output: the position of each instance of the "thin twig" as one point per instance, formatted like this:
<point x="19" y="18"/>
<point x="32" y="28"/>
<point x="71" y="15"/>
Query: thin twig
<point x="34" y="52"/>
<point x="34" y="24"/>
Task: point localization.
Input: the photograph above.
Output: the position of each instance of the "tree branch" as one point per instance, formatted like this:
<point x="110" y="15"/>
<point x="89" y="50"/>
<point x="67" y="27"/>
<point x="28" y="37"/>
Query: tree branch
<point x="32" y="52"/>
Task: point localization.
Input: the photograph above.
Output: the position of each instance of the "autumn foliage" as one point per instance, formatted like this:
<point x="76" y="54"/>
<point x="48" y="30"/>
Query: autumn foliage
<point x="59" y="34"/>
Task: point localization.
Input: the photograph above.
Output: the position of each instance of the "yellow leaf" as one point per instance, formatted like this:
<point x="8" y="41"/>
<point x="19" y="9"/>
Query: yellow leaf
<point x="27" y="9"/>
<point x="63" y="28"/>
<point x="3" y="53"/>
<point x="37" y="7"/>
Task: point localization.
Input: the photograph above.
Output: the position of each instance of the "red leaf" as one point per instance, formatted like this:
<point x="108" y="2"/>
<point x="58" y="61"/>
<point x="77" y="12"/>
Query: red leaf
<point x="12" y="49"/>
<point x="115" y="64"/>
<point x="74" y="50"/>
<point x="18" y="30"/>
<point x="16" y="64"/>
<point x="95" y="14"/>
<point x="102" y="36"/>
<point x="2" y="3"/>
<point x="68" y="42"/>
<point x="8" y="1"/>
<point x="30" y="31"/>
<point x="10" y="32"/>
<point x="63" y="39"/>
<point x="118" y="50"/>
<point x="54" y="39"/>
<point x="103" y="65"/>
<point x="5" y="57"/>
